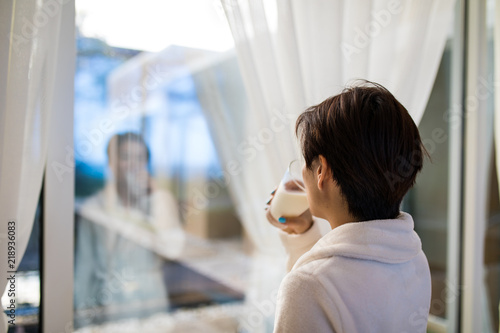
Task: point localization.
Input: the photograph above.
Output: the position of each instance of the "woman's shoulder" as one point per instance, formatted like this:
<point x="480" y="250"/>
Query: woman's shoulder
<point x="314" y="272"/>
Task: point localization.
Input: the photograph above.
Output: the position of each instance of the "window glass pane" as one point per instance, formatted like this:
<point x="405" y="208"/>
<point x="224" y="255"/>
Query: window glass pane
<point x="154" y="244"/>
<point x="428" y="200"/>
<point x="492" y="253"/>
<point x="491" y="280"/>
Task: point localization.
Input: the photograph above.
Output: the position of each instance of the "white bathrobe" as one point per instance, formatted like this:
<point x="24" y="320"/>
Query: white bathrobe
<point x="360" y="277"/>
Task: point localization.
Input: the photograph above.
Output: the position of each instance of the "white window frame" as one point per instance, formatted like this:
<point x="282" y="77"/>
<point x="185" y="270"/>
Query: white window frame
<point x="476" y="160"/>
<point x="56" y="276"/>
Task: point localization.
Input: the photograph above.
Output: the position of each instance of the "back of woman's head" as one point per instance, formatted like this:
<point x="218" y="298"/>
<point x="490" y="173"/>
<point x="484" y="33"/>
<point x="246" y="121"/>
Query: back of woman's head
<point x="371" y="144"/>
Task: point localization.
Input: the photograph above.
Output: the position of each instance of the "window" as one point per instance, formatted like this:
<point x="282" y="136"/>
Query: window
<point x="154" y="245"/>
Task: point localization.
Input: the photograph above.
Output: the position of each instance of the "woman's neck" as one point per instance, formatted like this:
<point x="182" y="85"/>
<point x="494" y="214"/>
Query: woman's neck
<point x="337" y="213"/>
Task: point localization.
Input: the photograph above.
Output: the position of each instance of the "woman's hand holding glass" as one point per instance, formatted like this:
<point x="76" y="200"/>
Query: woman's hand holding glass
<point x="291" y="224"/>
<point x="287" y="208"/>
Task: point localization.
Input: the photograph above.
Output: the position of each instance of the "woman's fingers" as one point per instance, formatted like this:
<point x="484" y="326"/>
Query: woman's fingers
<point x="273" y="221"/>
<point x="268" y="203"/>
<point x="289" y="224"/>
<point x="297" y="224"/>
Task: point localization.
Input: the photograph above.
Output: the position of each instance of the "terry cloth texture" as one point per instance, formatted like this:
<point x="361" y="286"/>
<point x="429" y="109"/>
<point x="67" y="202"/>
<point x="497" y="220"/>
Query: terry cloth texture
<point x="360" y="277"/>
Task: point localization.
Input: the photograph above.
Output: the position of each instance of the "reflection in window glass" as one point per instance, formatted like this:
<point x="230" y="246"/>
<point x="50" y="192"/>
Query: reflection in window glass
<point x="491" y="302"/>
<point x="151" y="246"/>
<point x="492" y="252"/>
<point x="428" y="200"/>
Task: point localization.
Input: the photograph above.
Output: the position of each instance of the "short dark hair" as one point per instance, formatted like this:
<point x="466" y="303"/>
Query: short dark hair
<point x="371" y="144"/>
<point x="120" y="138"/>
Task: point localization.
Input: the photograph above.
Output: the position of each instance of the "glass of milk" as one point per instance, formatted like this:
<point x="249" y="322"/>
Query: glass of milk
<point x="290" y="198"/>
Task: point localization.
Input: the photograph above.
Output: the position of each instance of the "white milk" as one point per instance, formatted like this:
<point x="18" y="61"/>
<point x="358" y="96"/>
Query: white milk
<point x="288" y="203"/>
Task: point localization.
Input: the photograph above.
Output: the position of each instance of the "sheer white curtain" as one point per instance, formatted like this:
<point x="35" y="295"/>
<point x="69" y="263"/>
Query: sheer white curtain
<point x="28" y="59"/>
<point x="255" y="149"/>
<point x="293" y="54"/>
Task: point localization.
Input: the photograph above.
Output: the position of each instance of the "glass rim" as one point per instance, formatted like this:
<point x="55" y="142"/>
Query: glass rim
<point x="295" y="179"/>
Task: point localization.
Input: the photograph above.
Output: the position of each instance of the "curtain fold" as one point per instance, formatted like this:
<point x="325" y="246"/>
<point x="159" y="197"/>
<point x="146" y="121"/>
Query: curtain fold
<point x="27" y="64"/>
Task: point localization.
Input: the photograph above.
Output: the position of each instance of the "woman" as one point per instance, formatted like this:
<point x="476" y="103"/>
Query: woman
<point x="368" y="273"/>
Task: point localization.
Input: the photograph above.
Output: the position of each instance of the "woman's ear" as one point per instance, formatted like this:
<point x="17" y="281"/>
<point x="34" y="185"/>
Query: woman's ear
<point x="322" y="171"/>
